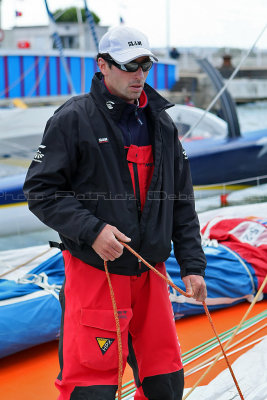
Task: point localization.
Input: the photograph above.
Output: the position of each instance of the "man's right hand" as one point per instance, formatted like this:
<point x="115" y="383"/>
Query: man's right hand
<point x="107" y="244"/>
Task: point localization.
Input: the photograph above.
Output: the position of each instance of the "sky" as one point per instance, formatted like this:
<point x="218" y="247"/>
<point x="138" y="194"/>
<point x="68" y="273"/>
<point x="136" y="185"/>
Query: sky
<point x="179" y="23"/>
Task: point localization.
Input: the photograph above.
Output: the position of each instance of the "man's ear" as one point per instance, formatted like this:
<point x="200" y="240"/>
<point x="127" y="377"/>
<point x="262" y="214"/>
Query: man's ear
<point x="103" y="65"/>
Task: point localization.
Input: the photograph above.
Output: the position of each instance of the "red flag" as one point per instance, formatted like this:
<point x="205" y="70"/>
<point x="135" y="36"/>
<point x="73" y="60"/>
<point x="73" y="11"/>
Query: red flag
<point x="18" y="14"/>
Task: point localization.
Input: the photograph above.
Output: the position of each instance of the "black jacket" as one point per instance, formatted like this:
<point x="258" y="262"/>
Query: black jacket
<point x="79" y="180"/>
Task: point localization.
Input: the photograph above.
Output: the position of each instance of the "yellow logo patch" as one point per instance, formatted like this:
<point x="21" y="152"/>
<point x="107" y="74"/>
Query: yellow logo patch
<point x="104" y="343"/>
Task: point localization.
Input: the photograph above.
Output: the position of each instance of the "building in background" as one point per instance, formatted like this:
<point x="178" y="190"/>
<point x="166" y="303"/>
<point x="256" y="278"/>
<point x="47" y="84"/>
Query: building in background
<point x="32" y="68"/>
<point x="73" y="36"/>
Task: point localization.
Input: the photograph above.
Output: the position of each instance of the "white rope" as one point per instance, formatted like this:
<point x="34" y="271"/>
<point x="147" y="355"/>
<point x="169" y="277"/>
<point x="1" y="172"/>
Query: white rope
<point x="224" y="87"/>
<point x="41" y="280"/>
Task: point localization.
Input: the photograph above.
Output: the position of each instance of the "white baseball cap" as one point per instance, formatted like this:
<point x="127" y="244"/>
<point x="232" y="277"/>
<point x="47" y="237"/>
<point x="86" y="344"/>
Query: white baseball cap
<point x="125" y="44"/>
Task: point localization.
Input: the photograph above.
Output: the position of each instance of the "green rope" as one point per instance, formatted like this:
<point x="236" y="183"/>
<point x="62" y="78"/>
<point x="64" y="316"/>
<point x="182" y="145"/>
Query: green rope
<point x="224" y="335"/>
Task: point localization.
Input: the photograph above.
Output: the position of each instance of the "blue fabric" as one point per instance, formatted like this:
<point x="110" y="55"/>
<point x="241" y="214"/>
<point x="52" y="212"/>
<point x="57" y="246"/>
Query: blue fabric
<point x="225" y="278"/>
<point x="54" y="269"/>
<point x="27" y="323"/>
<point x="134" y="127"/>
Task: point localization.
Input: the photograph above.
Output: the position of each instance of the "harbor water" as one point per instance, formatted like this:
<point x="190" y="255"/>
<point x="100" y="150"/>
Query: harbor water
<point x="252" y="116"/>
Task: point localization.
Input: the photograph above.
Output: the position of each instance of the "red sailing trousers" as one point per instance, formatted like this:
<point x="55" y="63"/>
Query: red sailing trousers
<point x="90" y="350"/>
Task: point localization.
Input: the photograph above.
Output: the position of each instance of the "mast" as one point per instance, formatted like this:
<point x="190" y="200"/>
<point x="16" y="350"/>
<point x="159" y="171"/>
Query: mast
<point x="0" y="14"/>
<point x="91" y="23"/>
<point x="59" y="46"/>
<point x="168" y="21"/>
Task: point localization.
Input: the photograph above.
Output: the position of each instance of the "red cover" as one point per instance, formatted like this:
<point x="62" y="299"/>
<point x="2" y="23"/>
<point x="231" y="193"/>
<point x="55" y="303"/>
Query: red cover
<point x="245" y="236"/>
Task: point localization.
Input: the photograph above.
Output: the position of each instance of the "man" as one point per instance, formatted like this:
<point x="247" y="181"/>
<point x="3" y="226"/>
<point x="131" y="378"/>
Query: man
<point x="113" y="170"/>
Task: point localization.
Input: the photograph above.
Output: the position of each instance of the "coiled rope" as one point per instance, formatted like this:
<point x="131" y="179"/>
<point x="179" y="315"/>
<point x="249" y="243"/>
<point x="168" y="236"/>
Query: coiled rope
<point x="120" y="369"/>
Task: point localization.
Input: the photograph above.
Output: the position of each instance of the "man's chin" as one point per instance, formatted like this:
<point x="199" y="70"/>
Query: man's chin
<point x="135" y="94"/>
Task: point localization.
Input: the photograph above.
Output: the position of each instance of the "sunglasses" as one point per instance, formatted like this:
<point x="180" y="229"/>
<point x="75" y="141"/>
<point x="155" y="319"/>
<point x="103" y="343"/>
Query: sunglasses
<point x="132" y="66"/>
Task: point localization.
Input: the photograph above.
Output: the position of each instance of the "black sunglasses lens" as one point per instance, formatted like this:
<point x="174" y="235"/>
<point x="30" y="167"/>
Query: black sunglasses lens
<point x="147" y="65"/>
<point x="133" y="66"/>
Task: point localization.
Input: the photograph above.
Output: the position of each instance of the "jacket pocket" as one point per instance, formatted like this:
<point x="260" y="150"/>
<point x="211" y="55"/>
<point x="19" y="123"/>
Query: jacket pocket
<point x="98" y="346"/>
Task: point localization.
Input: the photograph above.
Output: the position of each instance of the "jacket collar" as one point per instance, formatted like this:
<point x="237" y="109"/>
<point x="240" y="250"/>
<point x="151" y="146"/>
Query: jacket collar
<point x="115" y="106"/>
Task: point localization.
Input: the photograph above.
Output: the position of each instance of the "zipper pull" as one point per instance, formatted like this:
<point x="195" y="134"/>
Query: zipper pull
<point x="137" y="116"/>
<point x="139" y="267"/>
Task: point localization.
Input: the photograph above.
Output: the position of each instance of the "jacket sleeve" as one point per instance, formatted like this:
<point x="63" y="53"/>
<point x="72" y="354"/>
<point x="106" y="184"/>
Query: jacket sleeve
<point x="48" y="184"/>
<point x="186" y="232"/>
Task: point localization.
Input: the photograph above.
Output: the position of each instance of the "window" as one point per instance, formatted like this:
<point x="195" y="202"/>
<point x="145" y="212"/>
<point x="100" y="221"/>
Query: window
<point x="68" y="42"/>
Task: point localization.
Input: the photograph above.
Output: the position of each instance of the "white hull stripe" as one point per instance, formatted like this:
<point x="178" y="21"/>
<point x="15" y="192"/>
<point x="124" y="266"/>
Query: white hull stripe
<point x="26" y="297"/>
<point x="210" y="301"/>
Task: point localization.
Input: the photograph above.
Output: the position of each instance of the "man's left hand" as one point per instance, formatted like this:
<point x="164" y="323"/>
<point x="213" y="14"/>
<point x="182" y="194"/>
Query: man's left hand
<point x="195" y="287"/>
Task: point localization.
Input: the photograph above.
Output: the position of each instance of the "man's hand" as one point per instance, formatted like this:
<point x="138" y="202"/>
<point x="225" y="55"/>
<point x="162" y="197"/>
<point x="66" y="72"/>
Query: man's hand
<point x="195" y="287"/>
<point x="107" y="244"/>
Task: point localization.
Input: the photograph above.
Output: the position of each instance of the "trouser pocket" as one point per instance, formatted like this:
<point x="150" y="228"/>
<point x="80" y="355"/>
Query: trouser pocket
<point x="98" y="346"/>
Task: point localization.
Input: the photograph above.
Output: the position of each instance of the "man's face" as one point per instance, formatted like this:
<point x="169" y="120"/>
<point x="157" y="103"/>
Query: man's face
<point x="126" y="85"/>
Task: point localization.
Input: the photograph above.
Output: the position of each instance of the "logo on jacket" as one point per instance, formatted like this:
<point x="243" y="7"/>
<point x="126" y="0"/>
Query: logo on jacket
<point x="185" y="155"/>
<point x="39" y="154"/>
<point x="135" y="43"/>
<point x="109" y="104"/>
<point x="103" y="140"/>
<point x="104" y="344"/>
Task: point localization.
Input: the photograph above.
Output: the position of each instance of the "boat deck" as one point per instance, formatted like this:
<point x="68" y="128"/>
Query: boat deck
<point x="30" y="374"/>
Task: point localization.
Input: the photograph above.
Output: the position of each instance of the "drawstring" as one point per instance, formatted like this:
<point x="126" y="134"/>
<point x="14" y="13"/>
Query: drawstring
<point x="180" y="291"/>
<point x="136" y="113"/>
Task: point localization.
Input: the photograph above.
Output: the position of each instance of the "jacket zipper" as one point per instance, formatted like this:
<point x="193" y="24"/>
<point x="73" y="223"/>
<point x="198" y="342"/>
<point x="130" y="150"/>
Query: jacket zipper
<point x="137" y="190"/>
<point x="139" y="267"/>
<point x="137" y="116"/>
<point x="138" y="203"/>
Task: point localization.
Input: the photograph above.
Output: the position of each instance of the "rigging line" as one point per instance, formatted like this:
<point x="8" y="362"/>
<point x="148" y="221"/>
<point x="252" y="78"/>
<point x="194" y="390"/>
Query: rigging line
<point x="243" y="263"/>
<point x="127" y="390"/>
<point x="129" y="386"/>
<point x="248" y="323"/>
<point x="91" y="23"/>
<point x="230" y="340"/>
<point x="25" y="263"/>
<point x="59" y="46"/>
<point x="206" y="348"/>
<point x="20" y="78"/>
<point x="229" y="354"/>
<point x="223" y="351"/>
<point x="210" y="359"/>
<point x="225" y="86"/>
<point x="40" y="77"/>
<point x="232" y="182"/>
<point x="130" y="396"/>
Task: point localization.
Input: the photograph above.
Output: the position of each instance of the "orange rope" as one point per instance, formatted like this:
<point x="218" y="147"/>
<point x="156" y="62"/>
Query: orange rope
<point x="178" y="290"/>
<point x="221" y="346"/>
<point x="118" y="329"/>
